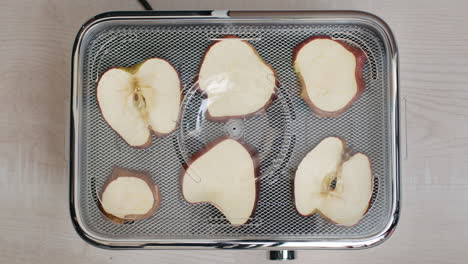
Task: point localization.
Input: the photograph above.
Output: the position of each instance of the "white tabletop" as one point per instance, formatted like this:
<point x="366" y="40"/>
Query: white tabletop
<point x="36" y="39"/>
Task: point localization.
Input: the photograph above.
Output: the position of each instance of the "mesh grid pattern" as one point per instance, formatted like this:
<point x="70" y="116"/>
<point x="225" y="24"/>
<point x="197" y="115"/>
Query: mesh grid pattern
<point x="282" y="136"/>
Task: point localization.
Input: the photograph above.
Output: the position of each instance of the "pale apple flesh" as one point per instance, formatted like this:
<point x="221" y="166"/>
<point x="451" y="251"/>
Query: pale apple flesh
<point x="225" y="175"/>
<point x="129" y="195"/>
<point x="235" y="79"/>
<point x="134" y="101"/>
<point x="330" y="72"/>
<point x="349" y="200"/>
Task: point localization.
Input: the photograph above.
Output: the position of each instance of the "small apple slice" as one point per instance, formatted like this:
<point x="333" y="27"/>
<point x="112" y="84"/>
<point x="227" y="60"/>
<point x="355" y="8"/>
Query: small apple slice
<point x="236" y="80"/>
<point x="136" y="100"/>
<point x="349" y="200"/>
<point x="225" y="175"/>
<point x="330" y="72"/>
<point x="129" y="195"/>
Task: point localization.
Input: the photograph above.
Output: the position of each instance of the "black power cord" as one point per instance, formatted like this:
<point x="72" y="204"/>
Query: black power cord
<point x="145" y="5"/>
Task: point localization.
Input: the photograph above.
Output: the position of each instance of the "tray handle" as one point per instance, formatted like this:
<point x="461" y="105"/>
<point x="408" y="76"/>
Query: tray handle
<point x="282" y="254"/>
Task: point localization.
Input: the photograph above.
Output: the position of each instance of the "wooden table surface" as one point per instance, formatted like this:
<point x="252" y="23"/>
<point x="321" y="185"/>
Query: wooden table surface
<point x="36" y="38"/>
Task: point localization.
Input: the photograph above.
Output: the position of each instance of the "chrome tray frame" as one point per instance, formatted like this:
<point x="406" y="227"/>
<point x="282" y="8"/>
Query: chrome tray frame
<point x="281" y="244"/>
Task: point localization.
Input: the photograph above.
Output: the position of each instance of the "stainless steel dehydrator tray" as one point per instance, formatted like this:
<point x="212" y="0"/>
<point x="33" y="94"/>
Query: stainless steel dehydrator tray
<point x="282" y="136"/>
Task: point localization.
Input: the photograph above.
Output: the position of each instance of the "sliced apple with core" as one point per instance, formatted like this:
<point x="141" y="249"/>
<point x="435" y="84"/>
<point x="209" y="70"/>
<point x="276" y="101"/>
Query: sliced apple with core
<point x="236" y="80"/>
<point x="330" y="73"/>
<point x="136" y="100"/>
<point x="348" y="200"/>
<point x="225" y="175"/>
<point x="129" y="195"/>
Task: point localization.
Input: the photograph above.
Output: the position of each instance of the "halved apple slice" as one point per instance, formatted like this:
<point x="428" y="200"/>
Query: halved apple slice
<point x="330" y="72"/>
<point x="235" y="79"/>
<point x="129" y="195"/>
<point x="345" y="203"/>
<point x="136" y="100"/>
<point x="225" y="175"/>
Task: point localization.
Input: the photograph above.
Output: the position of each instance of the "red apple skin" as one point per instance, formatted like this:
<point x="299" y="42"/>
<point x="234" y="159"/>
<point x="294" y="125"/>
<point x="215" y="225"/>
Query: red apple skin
<point x="346" y="153"/>
<point x="132" y="69"/>
<point x="360" y="62"/>
<point x="260" y="111"/>
<point x="253" y="153"/>
<point x="122" y="172"/>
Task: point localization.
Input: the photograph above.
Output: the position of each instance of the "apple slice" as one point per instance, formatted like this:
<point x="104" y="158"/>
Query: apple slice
<point x="330" y="73"/>
<point x="136" y="100"/>
<point x="225" y="175"/>
<point x="129" y="195"/>
<point x="345" y="203"/>
<point x="235" y="79"/>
